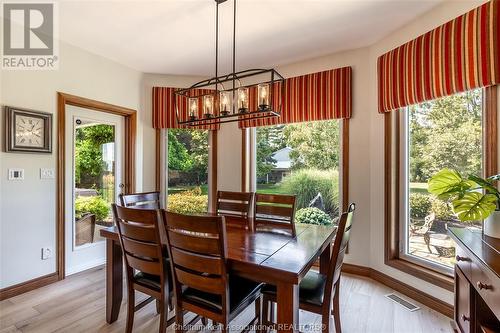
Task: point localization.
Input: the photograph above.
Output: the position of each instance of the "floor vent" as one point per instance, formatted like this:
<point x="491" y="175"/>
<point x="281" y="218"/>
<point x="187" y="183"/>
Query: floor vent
<point x="409" y="306"/>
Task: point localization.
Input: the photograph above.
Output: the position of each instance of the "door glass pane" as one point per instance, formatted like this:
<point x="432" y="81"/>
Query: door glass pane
<point x="187" y="171"/>
<point x="302" y="159"/>
<point x="443" y="133"/>
<point x="94" y="180"/>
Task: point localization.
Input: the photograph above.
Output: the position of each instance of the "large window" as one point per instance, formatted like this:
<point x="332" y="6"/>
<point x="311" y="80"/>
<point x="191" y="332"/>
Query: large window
<point x="443" y="133"/>
<point x="187" y="175"/>
<point x="301" y="159"/>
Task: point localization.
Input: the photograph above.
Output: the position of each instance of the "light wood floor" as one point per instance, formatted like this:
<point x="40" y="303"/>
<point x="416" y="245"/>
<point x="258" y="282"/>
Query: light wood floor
<point x="76" y="304"/>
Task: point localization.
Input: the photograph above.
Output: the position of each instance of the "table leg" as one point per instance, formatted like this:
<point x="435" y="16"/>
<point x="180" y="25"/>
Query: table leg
<point x="114" y="280"/>
<point x="288" y="308"/>
<point x="324" y="260"/>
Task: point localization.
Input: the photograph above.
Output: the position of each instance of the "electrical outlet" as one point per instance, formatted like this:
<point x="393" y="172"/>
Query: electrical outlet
<point x="46" y="253"/>
<point x="47" y="173"/>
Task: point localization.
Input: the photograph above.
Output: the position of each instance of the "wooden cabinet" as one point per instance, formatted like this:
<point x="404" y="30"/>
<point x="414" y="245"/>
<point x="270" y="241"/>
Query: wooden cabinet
<point x="477" y="282"/>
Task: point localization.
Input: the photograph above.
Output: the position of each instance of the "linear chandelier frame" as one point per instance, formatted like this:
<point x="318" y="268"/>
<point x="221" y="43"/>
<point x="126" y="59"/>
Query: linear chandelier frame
<point x="234" y="87"/>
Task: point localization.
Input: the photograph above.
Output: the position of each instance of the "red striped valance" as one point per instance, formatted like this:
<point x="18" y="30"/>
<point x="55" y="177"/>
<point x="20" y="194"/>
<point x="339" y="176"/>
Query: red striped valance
<point x="164" y="115"/>
<point x="318" y="96"/>
<point x="460" y="55"/>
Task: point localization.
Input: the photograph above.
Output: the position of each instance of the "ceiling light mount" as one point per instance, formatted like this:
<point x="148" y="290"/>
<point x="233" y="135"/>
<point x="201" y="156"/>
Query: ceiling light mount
<point x="243" y="95"/>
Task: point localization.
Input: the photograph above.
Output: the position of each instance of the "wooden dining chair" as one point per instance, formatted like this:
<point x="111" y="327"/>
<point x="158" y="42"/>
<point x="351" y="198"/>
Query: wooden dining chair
<point x="197" y="247"/>
<point x="235" y="206"/>
<point x="274" y="213"/>
<point x="317" y="291"/>
<point x="146" y="263"/>
<point x="146" y="200"/>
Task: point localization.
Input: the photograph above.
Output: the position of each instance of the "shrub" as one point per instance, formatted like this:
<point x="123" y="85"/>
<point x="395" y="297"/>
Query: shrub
<point x="312" y="215"/>
<point x="420" y="205"/>
<point x="188" y="202"/>
<point x="306" y="184"/>
<point x="93" y="205"/>
<point x="442" y="209"/>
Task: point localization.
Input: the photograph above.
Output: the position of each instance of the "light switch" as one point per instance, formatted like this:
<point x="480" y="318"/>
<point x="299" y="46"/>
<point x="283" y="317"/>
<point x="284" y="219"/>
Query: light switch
<point x="47" y="173"/>
<point x="16" y="174"/>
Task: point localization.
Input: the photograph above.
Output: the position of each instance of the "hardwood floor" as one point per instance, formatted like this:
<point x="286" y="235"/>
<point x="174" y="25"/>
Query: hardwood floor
<point x="76" y="304"/>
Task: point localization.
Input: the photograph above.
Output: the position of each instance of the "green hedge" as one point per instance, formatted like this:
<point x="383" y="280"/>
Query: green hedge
<point x="93" y="205"/>
<point x="306" y="184"/>
<point x="312" y="215"/>
<point x="188" y="202"/>
<point x="422" y="205"/>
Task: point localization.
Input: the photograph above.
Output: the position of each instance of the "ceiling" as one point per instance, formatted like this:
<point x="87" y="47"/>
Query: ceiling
<point x="177" y="36"/>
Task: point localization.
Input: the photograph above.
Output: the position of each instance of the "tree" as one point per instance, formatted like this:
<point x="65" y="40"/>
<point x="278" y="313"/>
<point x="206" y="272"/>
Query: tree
<point x="89" y="162"/>
<point x="178" y="157"/>
<point x="314" y="144"/>
<point x="269" y="140"/>
<point x="446" y="133"/>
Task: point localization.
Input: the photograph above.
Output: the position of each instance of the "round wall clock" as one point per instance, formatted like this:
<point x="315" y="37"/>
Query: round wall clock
<point x="28" y="131"/>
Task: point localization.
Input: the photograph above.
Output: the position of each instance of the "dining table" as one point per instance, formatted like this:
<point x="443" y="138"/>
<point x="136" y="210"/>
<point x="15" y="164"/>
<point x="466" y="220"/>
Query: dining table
<point x="263" y="256"/>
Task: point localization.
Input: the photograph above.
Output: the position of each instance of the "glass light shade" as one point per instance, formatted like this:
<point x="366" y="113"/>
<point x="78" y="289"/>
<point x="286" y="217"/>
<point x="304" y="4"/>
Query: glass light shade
<point x="242" y="99"/>
<point x="263" y="96"/>
<point x="208" y="106"/>
<point x="225" y="103"/>
<point x="193" y="107"/>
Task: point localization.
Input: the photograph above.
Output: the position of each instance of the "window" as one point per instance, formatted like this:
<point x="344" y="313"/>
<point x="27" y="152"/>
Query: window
<point x="187" y="171"/>
<point x="443" y="133"/>
<point x="301" y="159"/>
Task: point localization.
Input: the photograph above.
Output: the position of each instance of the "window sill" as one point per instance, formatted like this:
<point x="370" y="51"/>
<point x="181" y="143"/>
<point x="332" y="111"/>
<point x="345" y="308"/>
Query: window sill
<point x="438" y="279"/>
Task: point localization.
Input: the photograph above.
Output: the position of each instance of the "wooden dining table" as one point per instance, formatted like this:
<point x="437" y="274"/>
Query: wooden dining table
<point x="278" y="259"/>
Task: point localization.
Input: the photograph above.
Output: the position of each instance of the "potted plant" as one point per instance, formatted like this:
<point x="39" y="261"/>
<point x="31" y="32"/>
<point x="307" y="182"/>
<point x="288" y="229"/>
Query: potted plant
<point x="473" y="198"/>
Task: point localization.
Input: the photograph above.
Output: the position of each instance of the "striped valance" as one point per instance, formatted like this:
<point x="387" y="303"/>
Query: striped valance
<point x="164" y="115"/>
<point x="460" y="55"/>
<point x="318" y="96"/>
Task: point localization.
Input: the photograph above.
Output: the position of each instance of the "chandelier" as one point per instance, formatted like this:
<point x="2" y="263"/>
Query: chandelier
<point x="237" y="96"/>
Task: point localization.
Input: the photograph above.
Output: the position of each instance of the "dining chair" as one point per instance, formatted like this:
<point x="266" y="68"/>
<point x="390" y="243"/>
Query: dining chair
<point x="317" y="291"/>
<point x="235" y="206"/>
<point x="202" y="284"/>
<point x="274" y="213"/>
<point x="146" y="200"/>
<point x="146" y="263"/>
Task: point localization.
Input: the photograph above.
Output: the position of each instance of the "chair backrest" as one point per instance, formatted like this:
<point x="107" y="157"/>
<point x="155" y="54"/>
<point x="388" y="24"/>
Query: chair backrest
<point x="146" y="200"/>
<point x="274" y="212"/>
<point x="339" y="248"/>
<point x="235" y="206"/>
<point x="139" y="231"/>
<point x="197" y="250"/>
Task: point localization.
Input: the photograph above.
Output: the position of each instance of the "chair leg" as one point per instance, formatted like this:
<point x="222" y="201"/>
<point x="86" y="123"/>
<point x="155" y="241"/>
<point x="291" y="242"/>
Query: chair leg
<point x="179" y="319"/>
<point x="336" y="308"/>
<point x="204" y="321"/>
<point x="158" y="308"/>
<point x="258" y="314"/>
<point x="130" y="310"/>
<point x="163" y="312"/>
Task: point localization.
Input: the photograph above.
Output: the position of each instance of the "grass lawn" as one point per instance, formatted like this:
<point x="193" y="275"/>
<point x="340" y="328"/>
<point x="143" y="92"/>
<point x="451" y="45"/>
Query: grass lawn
<point x="270" y="189"/>
<point x="418" y="188"/>
<point x="177" y="189"/>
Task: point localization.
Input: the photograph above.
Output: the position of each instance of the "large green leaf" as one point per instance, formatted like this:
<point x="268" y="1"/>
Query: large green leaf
<point x="448" y="183"/>
<point x="474" y="206"/>
<point x="485" y="184"/>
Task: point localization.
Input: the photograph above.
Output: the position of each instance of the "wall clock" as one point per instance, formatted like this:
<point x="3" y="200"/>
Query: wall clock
<point x="28" y="131"/>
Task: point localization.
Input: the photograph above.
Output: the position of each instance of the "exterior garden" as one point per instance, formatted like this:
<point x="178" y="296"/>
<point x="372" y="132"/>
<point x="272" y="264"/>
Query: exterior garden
<point x="445" y="133"/>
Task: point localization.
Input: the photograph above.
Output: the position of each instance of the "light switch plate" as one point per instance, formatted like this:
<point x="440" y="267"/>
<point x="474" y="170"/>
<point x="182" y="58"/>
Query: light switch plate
<point x="16" y="174"/>
<point x="47" y="173"/>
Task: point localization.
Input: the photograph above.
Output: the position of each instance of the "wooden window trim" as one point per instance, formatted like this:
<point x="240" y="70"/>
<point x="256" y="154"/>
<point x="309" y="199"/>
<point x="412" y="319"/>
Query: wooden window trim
<point x="392" y="192"/>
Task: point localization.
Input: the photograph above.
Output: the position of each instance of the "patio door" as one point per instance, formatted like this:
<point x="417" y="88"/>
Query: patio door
<point x="94" y="171"/>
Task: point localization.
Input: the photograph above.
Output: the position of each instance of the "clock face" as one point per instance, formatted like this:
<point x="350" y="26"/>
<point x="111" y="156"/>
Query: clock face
<point x="29" y="131"/>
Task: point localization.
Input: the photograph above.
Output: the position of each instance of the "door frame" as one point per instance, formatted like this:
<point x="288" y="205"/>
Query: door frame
<point x="130" y="132"/>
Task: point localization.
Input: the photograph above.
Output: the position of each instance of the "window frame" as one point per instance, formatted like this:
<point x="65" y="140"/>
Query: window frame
<point x="248" y="161"/>
<point x="161" y="179"/>
<point x="394" y="186"/>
